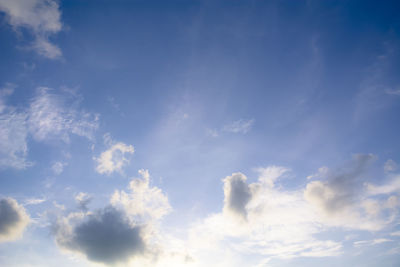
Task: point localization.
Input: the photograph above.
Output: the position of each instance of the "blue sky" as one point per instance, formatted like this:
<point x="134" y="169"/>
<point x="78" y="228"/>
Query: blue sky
<point x="199" y="133"/>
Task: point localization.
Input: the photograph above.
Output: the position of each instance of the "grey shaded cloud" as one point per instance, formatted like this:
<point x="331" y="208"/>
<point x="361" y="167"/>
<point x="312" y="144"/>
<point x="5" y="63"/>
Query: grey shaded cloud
<point x="341" y="190"/>
<point x="107" y="236"/>
<point x="237" y="194"/>
<point x="13" y="220"/>
<point x="83" y="200"/>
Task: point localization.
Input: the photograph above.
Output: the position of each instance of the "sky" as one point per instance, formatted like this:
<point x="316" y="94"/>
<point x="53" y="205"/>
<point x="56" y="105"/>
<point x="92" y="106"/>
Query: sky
<point x="199" y="133"/>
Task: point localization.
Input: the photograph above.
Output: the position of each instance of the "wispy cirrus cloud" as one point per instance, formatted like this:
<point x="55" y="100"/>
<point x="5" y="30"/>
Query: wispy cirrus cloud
<point x="41" y="17"/>
<point x="51" y="115"/>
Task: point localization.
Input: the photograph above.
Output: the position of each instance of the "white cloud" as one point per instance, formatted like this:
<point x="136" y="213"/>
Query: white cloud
<point x="143" y="202"/>
<point x="13" y="219"/>
<point x="34" y="201"/>
<point x="41" y="17"/>
<point x="239" y="126"/>
<point x="391" y="186"/>
<point x="113" y="159"/>
<point x="278" y="224"/>
<point x="58" y="116"/>
<point x="371" y="242"/>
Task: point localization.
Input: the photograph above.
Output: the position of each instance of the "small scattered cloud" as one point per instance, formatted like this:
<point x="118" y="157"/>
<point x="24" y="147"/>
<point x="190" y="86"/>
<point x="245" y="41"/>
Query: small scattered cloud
<point x="83" y="200"/>
<point x="41" y="17"/>
<point x="240" y="126"/>
<point x="58" y="167"/>
<point x="390" y="166"/>
<point x="113" y="159"/>
<point x="393" y="92"/>
<point x="34" y="201"/>
<point x="13" y="220"/>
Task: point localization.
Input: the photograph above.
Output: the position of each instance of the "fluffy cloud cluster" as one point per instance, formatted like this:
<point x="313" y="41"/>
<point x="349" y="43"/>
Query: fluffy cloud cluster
<point x="263" y="219"/>
<point x="13" y="219"/>
<point x="41" y="17"/>
<point x="50" y="116"/>
<point x="124" y="231"/>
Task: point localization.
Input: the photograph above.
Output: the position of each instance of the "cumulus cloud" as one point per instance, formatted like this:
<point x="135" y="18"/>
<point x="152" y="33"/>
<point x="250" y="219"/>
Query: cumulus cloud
<point x="143" y="202"/>
<point x="41" y="17"/>
<point x="237" y="194"/>
<point x="124" y="232"/>
<point x="113" y="159"/>
<point x="239" y="126"/>
<point x="13" y="220"/>
<point x="58" y="116"/>
<point x="278" y="224"/>
<point x="106" y="236"/>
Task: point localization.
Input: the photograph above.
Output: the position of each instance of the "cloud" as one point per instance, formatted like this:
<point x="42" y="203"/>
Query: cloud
<point x="13" y="220"/>
<point x="239" y="126"/>
<point x="124" y="232"/>
<point x="345" y="199"/>
<point x="278" y="224"/>
<point x="371" y="242"/>
<point x="113" y="159"/>
<point x="13" y="134"/>
<point x="237" y="194"/>
<point x="58" y="167"/>
<point x="83" y="199"/>
<point x="41" y="17"/>
<point x="57" y="116"/>
<point x="49" y="116"/>
<point x="106" y="236"/>
<point x="143" y="202"/>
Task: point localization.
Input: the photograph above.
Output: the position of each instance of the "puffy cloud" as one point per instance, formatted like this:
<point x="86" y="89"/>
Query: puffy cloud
<point x="278" y="224"/>
<point x="113" y="159"/>
<point x="239" y="126"/>
<point x="124" y="232"/>
<point x="41" y="17"/>
<point x="143" y="202"/>
<point x="57" y="116"/>
<point x="237" y="194"/>
<point x="106" y="236"/>
<point x="13" y="219"/>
